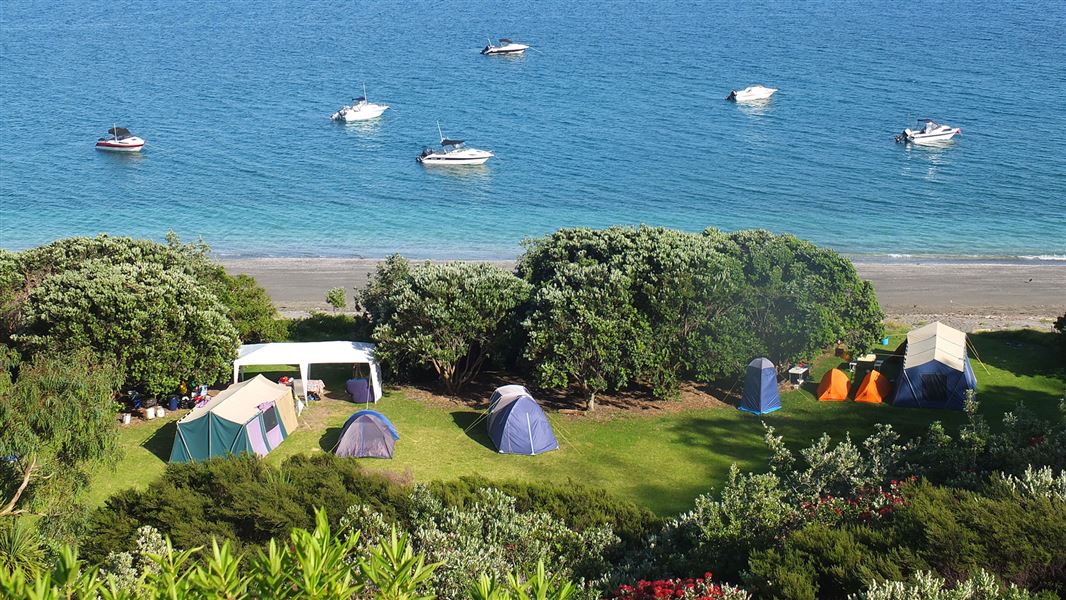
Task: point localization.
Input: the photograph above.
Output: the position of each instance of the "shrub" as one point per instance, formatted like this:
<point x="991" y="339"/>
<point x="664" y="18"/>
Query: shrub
<point x="492" y="537"/>
<point x="450" y="318"/>
<point x="927" y="586"/>
<point x="58" y="420"/>
<point x="322" y="327"/>
<point x="336" y="298"/>
<point x="692" y="588"/>
<point x="954" y="533"/>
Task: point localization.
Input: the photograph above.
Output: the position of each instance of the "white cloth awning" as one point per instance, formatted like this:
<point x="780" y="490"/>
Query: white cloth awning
<point x="305" y="354"/>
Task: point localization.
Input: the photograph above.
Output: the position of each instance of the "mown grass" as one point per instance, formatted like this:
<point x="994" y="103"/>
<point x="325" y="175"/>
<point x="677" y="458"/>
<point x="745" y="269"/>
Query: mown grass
<point x="661" y="462"/>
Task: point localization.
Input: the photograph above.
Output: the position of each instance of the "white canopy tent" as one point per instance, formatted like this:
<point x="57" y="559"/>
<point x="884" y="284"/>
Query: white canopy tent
<point x="305" y="354"/>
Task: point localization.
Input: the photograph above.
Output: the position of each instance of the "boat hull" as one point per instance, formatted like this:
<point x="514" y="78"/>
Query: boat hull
<point x="118" y="147"/>
<point x="436" y="161"/>
<point x="753" y="96"/>
<point x="353" y="116"/>
<point x="929" y="139"/>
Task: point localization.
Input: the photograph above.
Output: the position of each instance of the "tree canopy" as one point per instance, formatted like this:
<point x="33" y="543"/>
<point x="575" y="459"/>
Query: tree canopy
<point x="447" y="317"/>
<point x="164" y="312"/>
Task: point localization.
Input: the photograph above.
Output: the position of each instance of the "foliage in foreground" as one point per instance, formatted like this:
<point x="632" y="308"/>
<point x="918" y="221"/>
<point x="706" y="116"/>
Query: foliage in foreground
<point x="57" y="419"/>
<point x="310" y="564"/>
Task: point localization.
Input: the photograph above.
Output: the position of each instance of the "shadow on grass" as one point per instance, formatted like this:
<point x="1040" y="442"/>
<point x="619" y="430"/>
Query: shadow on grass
<point x="329" y="439"/>
<point x="162" y="441"/>
<point x="474" y="426"/>
<point x="1025" y="352"/>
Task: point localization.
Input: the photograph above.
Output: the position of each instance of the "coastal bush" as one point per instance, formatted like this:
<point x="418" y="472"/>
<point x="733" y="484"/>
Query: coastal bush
<point x="578" y="506"/>
<point x="691" y="306"/>
<point x="954" y="533"/>
<point x="246" y="502"/>
<point x="336" y="298"/>
<point x="147" y="304"/>
<point x="491" y="536"/>
<point x="977" y="451"/>
<point x="450" y="318"/>
<point x="927" y="586"/>
<point x="58" y="421"/>
<point x="239" y="500"/>
<point x="323" y="327"/>
<point x="798" y="298"/>
<point x="583" y="331"/>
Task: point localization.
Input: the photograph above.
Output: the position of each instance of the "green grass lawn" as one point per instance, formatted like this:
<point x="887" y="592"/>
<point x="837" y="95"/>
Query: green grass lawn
<point x="661" y="462"/>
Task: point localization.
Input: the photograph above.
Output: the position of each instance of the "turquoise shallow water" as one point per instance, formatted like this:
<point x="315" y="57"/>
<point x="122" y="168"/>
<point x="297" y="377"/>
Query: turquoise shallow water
<point x="617" y="118"/>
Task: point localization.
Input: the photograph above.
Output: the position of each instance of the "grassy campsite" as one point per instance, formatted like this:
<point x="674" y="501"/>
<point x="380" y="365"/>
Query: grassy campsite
<point x="628" y="355"/>
<point x="676" y="453"/>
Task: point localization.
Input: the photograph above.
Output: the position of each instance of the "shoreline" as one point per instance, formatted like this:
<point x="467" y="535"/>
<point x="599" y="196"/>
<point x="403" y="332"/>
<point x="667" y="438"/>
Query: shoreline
<point x="973" y="295"/>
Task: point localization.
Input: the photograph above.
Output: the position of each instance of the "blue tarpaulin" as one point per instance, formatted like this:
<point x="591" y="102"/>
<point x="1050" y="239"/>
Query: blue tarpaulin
<point x="760" y="388"/>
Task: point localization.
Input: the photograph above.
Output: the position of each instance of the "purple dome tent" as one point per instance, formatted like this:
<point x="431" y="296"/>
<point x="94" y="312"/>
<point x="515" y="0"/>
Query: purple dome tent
<point x="367" y="434"/>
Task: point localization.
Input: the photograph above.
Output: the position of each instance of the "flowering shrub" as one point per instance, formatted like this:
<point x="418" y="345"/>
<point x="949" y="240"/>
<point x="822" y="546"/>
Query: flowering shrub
<point x="927" y="586"/>
<point x="692" y="588"/>
<point x="871" y="502"/>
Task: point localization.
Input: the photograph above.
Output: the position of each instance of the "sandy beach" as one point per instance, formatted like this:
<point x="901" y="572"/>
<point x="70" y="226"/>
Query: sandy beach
<point x="970" y="295"/>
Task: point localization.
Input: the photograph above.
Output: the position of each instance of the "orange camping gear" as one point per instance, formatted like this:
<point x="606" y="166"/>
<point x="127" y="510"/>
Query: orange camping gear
<point x="874" y="388"/>
<point x="834" y="386"/>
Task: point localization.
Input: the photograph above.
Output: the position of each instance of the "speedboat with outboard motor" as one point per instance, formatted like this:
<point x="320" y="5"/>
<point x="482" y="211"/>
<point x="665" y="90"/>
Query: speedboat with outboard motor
<point x="120" y="140"/>
<point x="751" y="93"/>
<point x="506" y="47"/>
<point x="928" y="132"/>
<point x="452" y="152"/>
<point x="360" y="110"/>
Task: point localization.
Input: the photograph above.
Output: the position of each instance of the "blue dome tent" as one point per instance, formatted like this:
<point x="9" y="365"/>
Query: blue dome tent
<point x="760" y="388"/>
<point x="517" y="425"/>
<point x="367" y="434"/>
<point x="936" y="370"/>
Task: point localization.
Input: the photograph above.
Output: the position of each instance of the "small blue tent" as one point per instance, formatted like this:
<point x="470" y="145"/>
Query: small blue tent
<point x="517" y="425"/>
<point x="367" y="434"/>
<point x="760" y="388"/>
<point x="936" y="371"/>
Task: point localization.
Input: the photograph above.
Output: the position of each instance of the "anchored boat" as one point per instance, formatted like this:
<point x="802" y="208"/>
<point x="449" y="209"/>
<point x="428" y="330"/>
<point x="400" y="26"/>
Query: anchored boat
<point x="751" y="93"/>
<point x="120" y="140"/>
<point x="506" y="46"/>
<point x="452" y="152"/>
<point x="928" y="132"/>
<point x="360" y="110"/>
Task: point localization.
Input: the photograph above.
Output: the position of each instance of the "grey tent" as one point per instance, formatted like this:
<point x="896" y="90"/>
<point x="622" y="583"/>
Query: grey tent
<point x="367" y="434"/>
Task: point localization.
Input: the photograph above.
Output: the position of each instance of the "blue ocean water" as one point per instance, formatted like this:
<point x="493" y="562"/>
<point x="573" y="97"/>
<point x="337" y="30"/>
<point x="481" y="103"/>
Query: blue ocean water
<point x="616" y="117"/>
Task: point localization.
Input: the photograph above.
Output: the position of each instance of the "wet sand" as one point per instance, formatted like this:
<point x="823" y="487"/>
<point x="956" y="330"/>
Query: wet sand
<point x="969" y="295"/>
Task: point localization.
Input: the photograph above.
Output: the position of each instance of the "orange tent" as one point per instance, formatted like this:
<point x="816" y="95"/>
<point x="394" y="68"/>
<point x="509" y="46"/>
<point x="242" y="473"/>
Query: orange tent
<point x="874" y="388"/>
<point x="834" y="386"/>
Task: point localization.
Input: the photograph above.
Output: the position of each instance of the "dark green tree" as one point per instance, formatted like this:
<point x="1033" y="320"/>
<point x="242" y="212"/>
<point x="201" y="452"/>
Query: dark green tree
<point x="447" y="317"/>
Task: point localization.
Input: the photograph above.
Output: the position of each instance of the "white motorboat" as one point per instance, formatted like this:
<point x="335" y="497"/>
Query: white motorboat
<point x="928" y="132"/>
<point x="506" y="46"/>
<point x="751" y="93"/>
<point x="452" y="152"/>
<point x="359" y="110"/>
<point x="120" y="140"/>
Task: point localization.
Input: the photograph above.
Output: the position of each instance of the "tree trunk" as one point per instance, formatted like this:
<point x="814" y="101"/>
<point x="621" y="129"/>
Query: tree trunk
<point x="591" y="403"/>
<point x="9" y="508"/>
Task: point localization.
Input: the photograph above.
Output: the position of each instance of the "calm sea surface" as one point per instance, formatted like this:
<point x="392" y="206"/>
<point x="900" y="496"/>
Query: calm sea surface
<point x="617" y="117"/>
